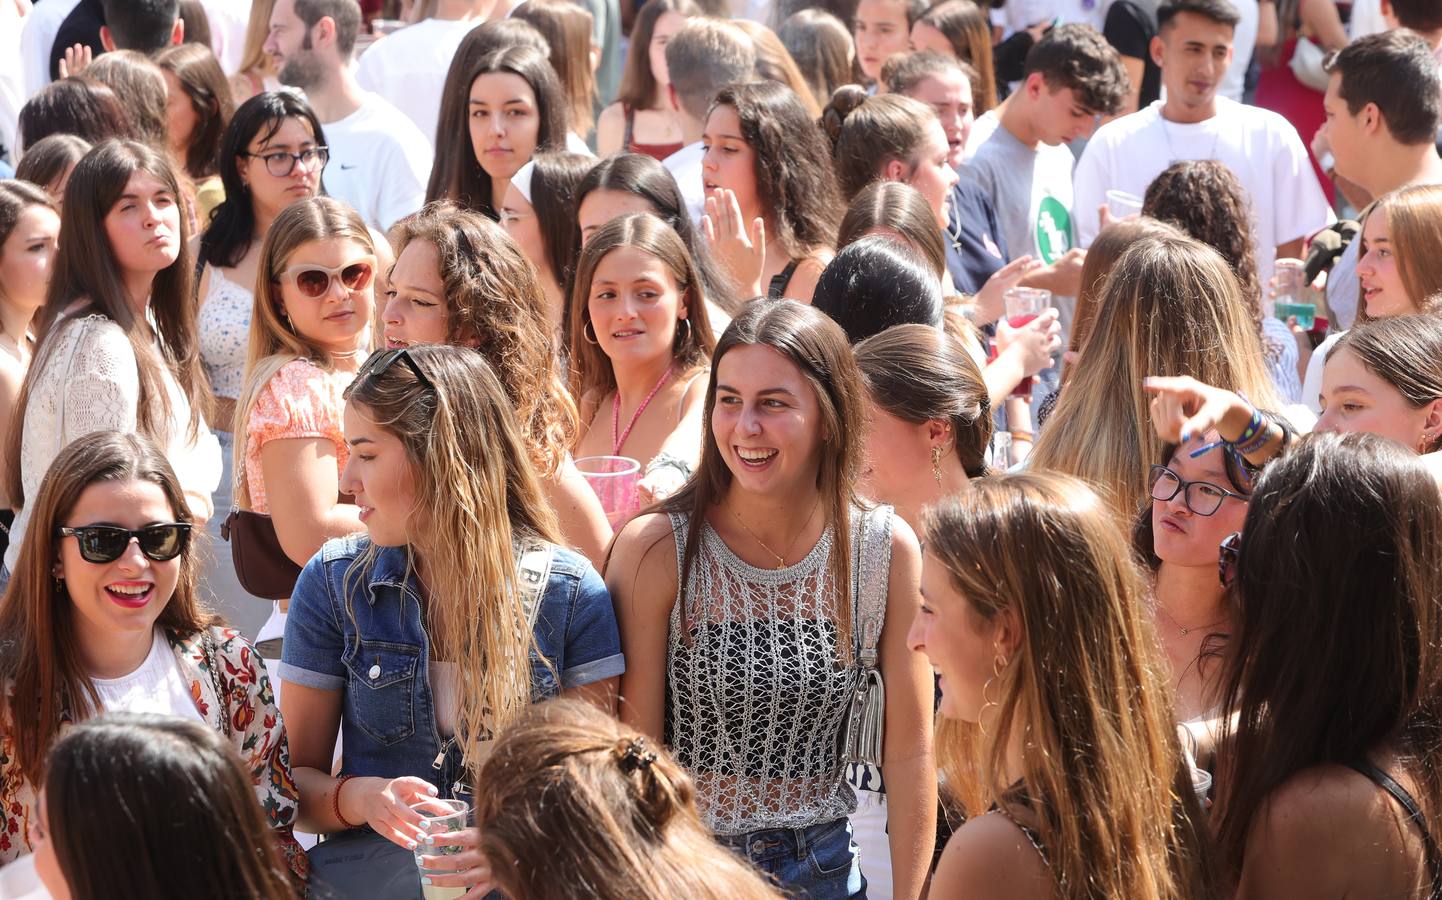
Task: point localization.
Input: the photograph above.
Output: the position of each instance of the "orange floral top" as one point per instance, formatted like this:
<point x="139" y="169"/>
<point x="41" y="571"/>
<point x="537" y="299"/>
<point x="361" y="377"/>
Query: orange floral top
<point x="301" y="400"/>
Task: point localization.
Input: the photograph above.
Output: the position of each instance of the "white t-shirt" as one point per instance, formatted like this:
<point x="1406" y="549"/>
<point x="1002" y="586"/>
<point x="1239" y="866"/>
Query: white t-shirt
<point x="1244" y="44"/>
<point x="1312" y="383"/>
<point x="685" y="166"/>
<point x="1017" y="15"/>
<point x="12" y="80"/>
<point x="158" y="686"/>
<point x="37" y="39"/>
<point x="379" y="162"/>
<point x="1260" y="147"/>
<point x="409" y="67"/>
<point x="228" y="21"/>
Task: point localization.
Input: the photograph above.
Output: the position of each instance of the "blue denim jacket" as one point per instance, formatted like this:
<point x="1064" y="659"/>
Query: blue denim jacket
<point x="379" y="660"/>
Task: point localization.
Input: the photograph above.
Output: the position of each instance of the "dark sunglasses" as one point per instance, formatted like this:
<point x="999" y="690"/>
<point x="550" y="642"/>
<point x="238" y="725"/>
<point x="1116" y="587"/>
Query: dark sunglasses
<point x="107" y="543"/>
<point x="314" y="281"/>
<point x="1227" y="555"/>
<point x="1201" y="497"/>
<point x="381" y="360"/>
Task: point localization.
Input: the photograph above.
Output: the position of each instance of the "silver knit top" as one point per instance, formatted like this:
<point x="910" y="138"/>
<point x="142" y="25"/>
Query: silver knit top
<point x="757" y="692"/>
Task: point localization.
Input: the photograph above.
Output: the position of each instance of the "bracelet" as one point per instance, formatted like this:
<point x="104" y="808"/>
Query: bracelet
<point x="335" y="801"/>
<point x="1256" y="443"/>
<point x="1019" y="435"/>
<point x="666" y="460"/>
<point x="1254" y="425"/>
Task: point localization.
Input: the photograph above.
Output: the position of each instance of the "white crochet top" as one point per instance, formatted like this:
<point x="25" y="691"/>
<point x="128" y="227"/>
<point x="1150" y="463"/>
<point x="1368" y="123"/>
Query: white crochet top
<point x="90" y="382"/>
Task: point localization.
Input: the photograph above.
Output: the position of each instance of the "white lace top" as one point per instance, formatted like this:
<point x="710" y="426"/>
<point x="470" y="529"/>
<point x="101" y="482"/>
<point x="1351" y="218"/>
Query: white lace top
<point x="224" y="324"/>
<point x="90" y="382"/>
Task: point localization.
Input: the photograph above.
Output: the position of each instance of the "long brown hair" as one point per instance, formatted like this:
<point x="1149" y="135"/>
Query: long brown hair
<point x="817" y="346"/>
<point x="1171" y="306"/>
<point x="85" y="270"/>
<point x="638" y="82"/>
<point x="208" y="91"/>
<point x="1405" y="352"/>
<point x="1414" y="227"/>
<point x="478" y="501"/>
<point x="140" y="87"/>
<point x="821" y="46"/>
<point x="494" y="302"/>
<point x="868" y="132"/>
<point x="1102" y="767"/>
<point x="1111" y="242"/>
<point x="41" y="664"/>
<point x="566" y="26"/>
<point x="968" y="28"/>
<point x="591" y="369"/>
<point x="571" y="805"/>
<point x="899" y="207"/>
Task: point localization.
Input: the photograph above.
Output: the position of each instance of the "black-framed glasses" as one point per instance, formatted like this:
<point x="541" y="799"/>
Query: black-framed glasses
<point x="106" y="543"/>
<point x="381" y="360"/>
<point x="1201" y="497"/>
<point x="281" y="163"/>
<point x="1227" y="555"/>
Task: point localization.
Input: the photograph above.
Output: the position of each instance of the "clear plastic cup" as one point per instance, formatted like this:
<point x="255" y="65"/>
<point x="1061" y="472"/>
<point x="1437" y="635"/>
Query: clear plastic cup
<point x="614" y="479"/>
<point x="1291" y="280"/>
<point x="1202" y="784"/>
<point x="440" y="817"/>
<point x="1123" y="205"/>
<point x="1023" y="304"/>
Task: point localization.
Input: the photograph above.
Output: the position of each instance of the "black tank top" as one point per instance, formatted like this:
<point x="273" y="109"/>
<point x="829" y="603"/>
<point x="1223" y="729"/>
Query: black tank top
<point x="1384" y="781"/>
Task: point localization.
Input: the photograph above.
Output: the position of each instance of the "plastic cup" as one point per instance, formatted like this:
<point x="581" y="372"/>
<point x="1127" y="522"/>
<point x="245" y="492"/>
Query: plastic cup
<point x="440" y="817"/>
<point x="1001" y="451"/>
<point x="1291" y="279"/>
<point x="1202" y="784"/>
<point x="1304" y="313"/>
<point x="1023" y="304"/>
<point x="1123" y="205"/>
<point x="614" y="479"/>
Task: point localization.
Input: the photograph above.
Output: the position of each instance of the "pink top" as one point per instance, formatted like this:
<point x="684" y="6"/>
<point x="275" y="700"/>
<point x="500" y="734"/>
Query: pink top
<point x="301" y="400"/>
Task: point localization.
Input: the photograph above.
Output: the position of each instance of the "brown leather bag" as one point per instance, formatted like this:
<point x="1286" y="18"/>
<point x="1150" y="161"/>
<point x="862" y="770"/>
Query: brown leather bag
<point x="260" y="563"/>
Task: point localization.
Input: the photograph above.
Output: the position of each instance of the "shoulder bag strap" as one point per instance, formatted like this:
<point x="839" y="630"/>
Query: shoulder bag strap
<point x="871" y="572"/>
<point x="212" y="663"/>
<point x="1405" y="800"/>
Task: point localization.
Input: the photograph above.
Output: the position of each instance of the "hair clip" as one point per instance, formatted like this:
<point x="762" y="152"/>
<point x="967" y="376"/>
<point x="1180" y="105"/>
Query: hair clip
<point x="634" y="756"/>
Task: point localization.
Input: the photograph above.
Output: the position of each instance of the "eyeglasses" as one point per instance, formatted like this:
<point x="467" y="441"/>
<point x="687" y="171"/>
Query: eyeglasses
<point x="1201" y="497"/>
<point x="314" y="281"/>
<point x="107" y="543"/>
<point x="1227" y="556"/>
<point x="280" y="163"/>
<point x="381" y="360"/>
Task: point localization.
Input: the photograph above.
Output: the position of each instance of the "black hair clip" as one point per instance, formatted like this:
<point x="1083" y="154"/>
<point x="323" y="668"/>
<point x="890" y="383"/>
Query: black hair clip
<point x="635" y="756"/>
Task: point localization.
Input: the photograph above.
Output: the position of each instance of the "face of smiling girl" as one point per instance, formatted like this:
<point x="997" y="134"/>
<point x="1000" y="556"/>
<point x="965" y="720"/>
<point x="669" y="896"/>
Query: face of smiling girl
<point x="634" y="306"/>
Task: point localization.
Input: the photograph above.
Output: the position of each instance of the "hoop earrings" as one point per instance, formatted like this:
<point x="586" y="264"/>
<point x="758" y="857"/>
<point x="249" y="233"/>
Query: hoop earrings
<point x="936" y="464"/>
<point x="682" y="341"/>
<point x="591" y="338"/>
<point x="998" y="664"/>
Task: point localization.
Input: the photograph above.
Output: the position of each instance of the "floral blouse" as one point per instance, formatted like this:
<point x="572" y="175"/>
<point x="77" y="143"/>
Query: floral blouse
<point x="244" y="711"/>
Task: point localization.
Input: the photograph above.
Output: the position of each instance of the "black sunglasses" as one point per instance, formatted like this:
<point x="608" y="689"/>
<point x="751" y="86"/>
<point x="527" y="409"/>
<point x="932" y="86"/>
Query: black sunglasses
<point x="1228" y="554"/>
<point x="106" y="543"/>
<point x="381" y="360"/>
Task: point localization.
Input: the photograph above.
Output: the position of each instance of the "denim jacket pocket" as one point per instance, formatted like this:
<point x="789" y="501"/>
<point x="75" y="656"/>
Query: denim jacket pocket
<point x="545" y="681"/>
<point x="381" y="688"/>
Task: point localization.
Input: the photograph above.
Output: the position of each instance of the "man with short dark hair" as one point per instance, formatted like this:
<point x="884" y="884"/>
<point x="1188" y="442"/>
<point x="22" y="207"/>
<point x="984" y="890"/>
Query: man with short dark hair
<point x="142" y="25"/>
<point x="1193" y="48"/>
<point x="379" y="160"/>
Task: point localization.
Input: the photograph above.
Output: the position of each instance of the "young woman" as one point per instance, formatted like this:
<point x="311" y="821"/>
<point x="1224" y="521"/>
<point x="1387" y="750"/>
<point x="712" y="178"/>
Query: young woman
<point x="77" y="106"/>
<point x="567" y="27"/>
<point x="47" y="163"/>
<point x="882" y="29"/>
<point x="103" y="615"/>
<point x="256" y="73"/>
<point x="639" y="349"/>
<point x="889" y="138"/>
<point x="961" y="29"/>
<point x="771" y="204"/>
<point x="1111" y="242"/>
<point x="822" y="49"/>
<point x="157" y="803"/>
<point x="1331" y="678"/>
<point x="1068" y="757"/>
<point x="115" y="345"/>
<point x="140" y="87"/>
<point x="198" y="109"/>
<point x="516" y="108"/>
<point x="747" y="635"/>
<point x="643" y="119"/>
<point x="459" y="280"/>
<point x="539" y="213"/>
<point x="428" y="636"/>
<point x="928" y="418"/>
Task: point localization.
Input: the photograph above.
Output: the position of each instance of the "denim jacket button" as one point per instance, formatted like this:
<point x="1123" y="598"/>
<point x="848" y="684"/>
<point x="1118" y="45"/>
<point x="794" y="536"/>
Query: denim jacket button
<point x="375" y="672"/>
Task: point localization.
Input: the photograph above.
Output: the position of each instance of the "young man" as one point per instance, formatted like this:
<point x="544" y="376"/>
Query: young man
<point x="882" y="30"/>
<point x="1193" y="47"/>
<point x="379" y="160"/>
<point x="702" y="58"/>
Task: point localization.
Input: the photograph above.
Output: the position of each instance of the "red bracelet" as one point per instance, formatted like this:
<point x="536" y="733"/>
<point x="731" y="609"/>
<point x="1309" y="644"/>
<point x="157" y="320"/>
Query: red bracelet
<point x="335" y="801"/>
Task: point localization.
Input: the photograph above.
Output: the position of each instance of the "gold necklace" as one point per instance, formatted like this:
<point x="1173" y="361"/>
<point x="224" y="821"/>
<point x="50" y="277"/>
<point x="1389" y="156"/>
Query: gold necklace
<point x="1183" y="629"/>
<point x="780" y="560"/>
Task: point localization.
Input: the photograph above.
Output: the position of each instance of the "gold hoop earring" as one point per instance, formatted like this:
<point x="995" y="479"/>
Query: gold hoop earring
<point x="591" y="338"/>
<point x="936" y="464"/>
<point x="682" y="341"/>
<point x="998" y="663"/>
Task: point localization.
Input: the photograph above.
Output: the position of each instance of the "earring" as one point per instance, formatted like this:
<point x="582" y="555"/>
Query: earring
<point x="998" y="663"/>
<point x="682" y="341"/>
<point x="589" y="338"/>
<point x="936" y="465"/>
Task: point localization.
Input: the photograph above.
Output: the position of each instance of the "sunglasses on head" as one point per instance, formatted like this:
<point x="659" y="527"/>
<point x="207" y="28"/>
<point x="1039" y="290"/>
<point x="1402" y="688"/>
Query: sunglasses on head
<point x="1227" y="555"/>
<point x="381" y="360"/>
<point x="106" y="543"/>
<point x="315" y="281"/>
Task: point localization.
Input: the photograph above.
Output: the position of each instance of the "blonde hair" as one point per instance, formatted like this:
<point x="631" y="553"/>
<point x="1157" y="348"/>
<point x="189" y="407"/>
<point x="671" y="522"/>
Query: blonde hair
<point x="273" y="343"/>
<point x="253" y="57"/>
<point x="1102" y="768"/>
<point x="1414" y="226"/>
<point x="775" y="63"/>
<point x="478" y="504"/>
<point x="572" y="805"/>
<point x="1171" y="306"/>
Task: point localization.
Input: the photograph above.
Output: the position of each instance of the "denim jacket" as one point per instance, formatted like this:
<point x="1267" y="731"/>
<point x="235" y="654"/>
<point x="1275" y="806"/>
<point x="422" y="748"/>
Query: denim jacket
<point x="379" y="659"/>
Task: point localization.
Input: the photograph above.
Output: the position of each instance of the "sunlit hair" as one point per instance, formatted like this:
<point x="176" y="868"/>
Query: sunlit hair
<point x="1111" y="242"/>
<point x="478" y="503"/>
<point x="821" y="46"/>
<point x="564" y="813"/>
<point x="792" y="167"/>
<point x="1102" y="767"/>
<point x="918" y="373"/>
<point x="161" y="805"/>
<point x="85" y="272"/>
<point x="775" y="64"/>
<point x="494" y="303"/>
<point x="1171" y="306"/>
<point x="894" y="206"/>
<point x="1405" y="352"/>
<point x="1414" y="228"/>
<point x="868" y="132"/>
<point x="253" y="57"/>
<point x="591" y="370"/>
<point x="1334" y="654"/>
<point x="639" y="88"/>
<point x="208" y="92"/>
<point x="41" y="662"/>
<point x="140" y="87"/>
<point x="968" y="28"/>
<point x="566" y="26"/>
<point x="274" y="344"/>
<point x="818" y="348"/>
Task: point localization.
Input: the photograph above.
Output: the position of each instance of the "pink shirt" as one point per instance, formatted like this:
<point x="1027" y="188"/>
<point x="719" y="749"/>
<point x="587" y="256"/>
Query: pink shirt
<point x="301" y="400"/>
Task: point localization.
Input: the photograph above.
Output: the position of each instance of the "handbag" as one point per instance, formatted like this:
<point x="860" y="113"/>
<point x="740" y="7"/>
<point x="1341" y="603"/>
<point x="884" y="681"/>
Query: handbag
<point x="261" y="564"/>
<point x="1307" y="64"/>
<point x="865" y="722"/>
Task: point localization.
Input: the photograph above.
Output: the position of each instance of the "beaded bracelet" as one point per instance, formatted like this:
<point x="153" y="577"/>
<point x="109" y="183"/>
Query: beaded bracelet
<point x="335" y="801"/>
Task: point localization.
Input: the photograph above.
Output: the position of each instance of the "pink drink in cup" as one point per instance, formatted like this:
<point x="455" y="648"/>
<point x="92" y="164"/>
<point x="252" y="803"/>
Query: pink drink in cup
<point x="614" y="479"/>
<point x="1023" y="305"/>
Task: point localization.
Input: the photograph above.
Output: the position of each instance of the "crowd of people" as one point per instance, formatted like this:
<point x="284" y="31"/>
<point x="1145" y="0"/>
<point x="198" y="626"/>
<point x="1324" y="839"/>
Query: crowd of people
<point x="751" y="449"/>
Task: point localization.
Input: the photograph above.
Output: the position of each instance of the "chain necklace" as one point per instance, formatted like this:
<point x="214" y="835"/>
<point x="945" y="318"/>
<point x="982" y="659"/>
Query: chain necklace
<point x="1184" y="629"/>
<point x="780" y="559"/>
<point x="1172" y="151"/>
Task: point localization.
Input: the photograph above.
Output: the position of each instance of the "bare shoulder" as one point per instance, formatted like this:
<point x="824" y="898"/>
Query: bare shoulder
<point x="644" y="551"/>
<point x="988" y="857"/>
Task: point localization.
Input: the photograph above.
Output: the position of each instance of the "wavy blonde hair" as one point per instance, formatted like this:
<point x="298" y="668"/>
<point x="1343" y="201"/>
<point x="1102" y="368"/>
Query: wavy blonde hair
<point x="478" y="503"/>
<point x="1171" y="306"/>
<point x="273" y="343"/>
<point x="494" y="302"/>
<point x="1086" y="689"/>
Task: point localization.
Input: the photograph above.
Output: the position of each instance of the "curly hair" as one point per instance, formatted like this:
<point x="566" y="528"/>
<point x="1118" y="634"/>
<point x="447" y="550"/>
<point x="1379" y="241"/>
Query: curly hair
<point x="496" y="305"/>
<point x="794" y="176"/>
<point x="1078" y="57"/>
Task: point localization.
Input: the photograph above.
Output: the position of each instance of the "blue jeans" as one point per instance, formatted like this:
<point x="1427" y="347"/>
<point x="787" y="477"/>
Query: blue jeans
<point x="815" y="863"/>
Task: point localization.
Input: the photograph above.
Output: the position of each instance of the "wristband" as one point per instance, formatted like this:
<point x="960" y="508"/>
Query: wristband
<point x="335" y="801"/>
<point x="1256" y="443"/>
